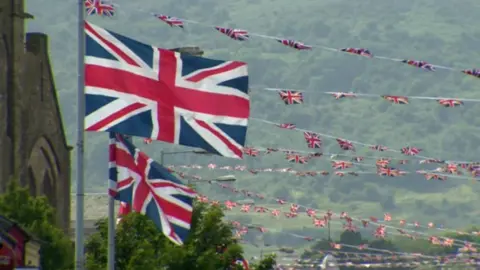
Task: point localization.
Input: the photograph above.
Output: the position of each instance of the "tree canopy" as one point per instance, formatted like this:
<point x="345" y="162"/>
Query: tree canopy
<point x="36" y="216"/>
<point x="140" y="245"/>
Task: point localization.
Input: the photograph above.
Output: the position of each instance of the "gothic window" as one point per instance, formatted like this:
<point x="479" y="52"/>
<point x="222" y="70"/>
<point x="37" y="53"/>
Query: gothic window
<point x="32" y="184"/>
<point x="44" y="166"/>
<point x="49" y="188"/>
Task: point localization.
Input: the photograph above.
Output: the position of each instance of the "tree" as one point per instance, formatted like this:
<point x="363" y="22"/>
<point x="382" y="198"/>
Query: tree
<point x="140" y="245"/>
<point x="351" y="238"/>
<point x="268" y="263"/>
<point x="36" y="216"/>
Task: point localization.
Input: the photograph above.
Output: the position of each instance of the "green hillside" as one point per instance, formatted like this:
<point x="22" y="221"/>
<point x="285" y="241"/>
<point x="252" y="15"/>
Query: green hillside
<point x="441" y="32"/>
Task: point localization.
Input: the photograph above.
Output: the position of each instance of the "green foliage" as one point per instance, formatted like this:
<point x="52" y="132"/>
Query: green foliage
<point x="394" y="244"/>
<point x="351" y="238"/>
<point x="268" y="263"/>
<point x="36" y="216"/>
<point x="140" y="245"/>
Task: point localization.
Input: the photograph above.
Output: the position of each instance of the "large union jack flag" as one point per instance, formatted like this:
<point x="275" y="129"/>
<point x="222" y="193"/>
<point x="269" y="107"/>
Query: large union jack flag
<point x="149" y="188"/>
<point x="140" y="90"/>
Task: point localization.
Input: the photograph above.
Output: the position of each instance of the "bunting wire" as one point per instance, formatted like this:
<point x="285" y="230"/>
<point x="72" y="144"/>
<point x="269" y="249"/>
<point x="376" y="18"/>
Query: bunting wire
<point x="365" y="221"/>
<point x="449" y="102"/>
<point x="370" y="146"/>
<point x="244" y="35"/>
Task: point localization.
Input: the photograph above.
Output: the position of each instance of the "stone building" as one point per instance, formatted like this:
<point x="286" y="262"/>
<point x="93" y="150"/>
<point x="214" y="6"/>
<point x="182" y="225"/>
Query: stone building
<point x="33" y="147"/>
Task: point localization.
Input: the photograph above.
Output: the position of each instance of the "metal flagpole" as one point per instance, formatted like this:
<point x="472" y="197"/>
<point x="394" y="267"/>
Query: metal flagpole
<point x="111" y="228"/>
<point x="111" y="233"/>
<point x="79" y="228"/>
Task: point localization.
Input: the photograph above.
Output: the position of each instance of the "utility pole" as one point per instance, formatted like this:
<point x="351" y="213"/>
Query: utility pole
<point x="329" y="235"/>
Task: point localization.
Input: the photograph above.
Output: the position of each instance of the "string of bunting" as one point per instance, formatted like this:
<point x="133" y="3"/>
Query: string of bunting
<point x="107" y="9"/>
<point x="411" y="265"/>
<point x="97" y="7"/>
<point x="293" y="96"/>
<point x="370" y="256"/>
<point x="339" y="165"/>
<point x="349" y="145"/>
<point x="346" y="223"/>
<point x="103" y="9"/>
<point x="380" y="231"/>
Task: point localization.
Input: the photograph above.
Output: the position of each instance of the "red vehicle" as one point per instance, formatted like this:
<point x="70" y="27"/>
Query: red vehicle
<point x="17" y="247"/>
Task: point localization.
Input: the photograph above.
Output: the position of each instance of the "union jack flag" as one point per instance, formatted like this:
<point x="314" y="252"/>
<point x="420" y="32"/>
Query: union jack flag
<point x="396" y="99"/>
<point x="140" y="90"/>
<point x="150" y="189"/>
<point x="339" y="95"/>
<point x="172" y="21"/>
<point x="294" y="44"/>
<point x="291" y="97"/>
<point x="287" y="126"/>
<point x="240" y="261"/>
<point x="430" y="176"/>
<point x="359" y="51"/>
<point x="250" y="151"/>
<point x="392" y="172"/>
<point x="236" y="34"/>
<point x="99" y="7"/>
<point x="410" y="151"/>
<point x="123" y="210"/>
<point x="345" y="145"/>
<point x="420" y="64"/>
<point x="297" y="158"/>
<point x="313" y="140"/>
<point x="472" y="72"/>
<point x="450" y="102"/>
<point x="340" y="165"/>
<point x="380" y="148"/>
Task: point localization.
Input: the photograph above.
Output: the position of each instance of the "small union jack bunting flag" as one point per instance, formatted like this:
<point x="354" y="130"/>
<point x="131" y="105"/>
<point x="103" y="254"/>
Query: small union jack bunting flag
<point x="236" y="34"/>
<point x="313" y="140"/>
<point x="123" y="210"/>
<point x="172" y="21"/>
<point x="148" y="188"/>
<point x="419" y="64"/>
<point x="139" y="90"/>
<point x="358" y="51"/>
<point x="99" y="7"/>
<point x="294" y="44"/>
<point x="291" y="97"/>
<point x="287" y="126"/>
<point x="472" y="72"/>
<point x="450" y="102"/>
<point x="396" y="99"/>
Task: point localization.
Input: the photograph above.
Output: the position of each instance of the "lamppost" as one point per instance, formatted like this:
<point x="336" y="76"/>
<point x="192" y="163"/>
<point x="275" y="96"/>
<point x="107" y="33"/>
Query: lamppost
<point x="224" y="178"/>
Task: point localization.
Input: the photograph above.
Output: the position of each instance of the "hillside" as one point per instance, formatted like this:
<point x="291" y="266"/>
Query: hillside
<point x="437" y="31"/>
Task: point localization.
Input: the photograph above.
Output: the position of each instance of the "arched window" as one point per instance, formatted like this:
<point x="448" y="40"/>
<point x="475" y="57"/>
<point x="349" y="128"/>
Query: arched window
<point x="49" y="188"/>
<point x="32" y="183"/>
<point x="45" y="169"/>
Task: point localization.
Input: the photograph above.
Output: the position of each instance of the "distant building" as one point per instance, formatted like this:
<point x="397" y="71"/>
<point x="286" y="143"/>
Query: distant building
<point x="33" y="147"/>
